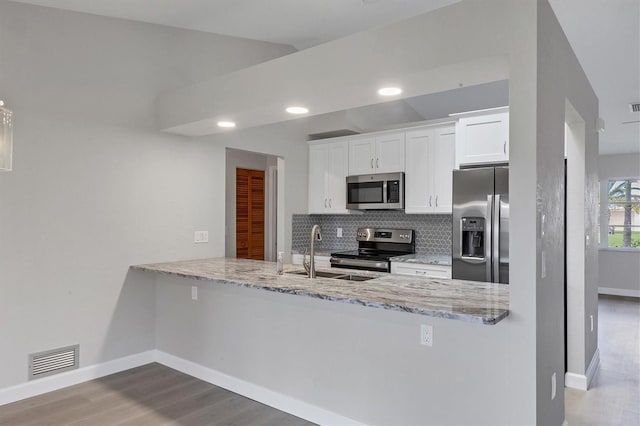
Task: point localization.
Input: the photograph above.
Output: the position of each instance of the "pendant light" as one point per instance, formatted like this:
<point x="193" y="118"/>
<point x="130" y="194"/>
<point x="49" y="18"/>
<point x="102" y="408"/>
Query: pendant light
<point x="6" y="138"/>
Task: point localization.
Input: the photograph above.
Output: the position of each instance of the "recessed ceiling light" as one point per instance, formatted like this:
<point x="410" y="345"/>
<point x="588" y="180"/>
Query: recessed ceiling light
<point x="389" y="91"/>
<point x="297" y="110"/>
<point x="226" y="124"/>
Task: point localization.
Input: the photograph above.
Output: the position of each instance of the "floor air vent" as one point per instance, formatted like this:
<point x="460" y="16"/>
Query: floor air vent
<point x="53" y="361"/>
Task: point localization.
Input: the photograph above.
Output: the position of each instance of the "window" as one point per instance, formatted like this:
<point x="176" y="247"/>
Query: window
<point x="624" y="213"/>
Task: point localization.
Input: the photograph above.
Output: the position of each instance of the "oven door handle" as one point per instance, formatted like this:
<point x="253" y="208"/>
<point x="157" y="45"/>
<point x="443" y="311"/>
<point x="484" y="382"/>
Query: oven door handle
<point x="360" y="263"/>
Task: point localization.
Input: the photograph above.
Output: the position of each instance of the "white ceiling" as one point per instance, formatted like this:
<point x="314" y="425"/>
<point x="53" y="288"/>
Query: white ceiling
<point x="605" y="35"/>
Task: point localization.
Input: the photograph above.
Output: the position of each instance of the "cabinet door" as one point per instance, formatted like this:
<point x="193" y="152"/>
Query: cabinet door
<point x="318" y="163"/>
<point x="389" y="153"/>
<point x="418" y="175"/>
<point x="338" y="167"/>
<point x="361" y="156"/>
<point x="442" y="164"/>
<point x="484" y="139"/>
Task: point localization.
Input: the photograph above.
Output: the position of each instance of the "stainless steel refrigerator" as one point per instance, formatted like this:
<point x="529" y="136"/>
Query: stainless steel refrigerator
<point x="480" y="246"/>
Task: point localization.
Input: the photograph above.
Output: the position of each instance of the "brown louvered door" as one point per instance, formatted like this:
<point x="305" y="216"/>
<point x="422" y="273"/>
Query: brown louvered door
<point x="250" y="214"/>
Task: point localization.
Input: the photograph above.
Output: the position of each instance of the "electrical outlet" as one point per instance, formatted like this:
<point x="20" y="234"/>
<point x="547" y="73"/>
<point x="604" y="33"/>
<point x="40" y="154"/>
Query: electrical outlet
<point x="339" y="232"/>
<point x="201" y="237"/>
<point x="194" y="293"/>
<point x="553" y="386"/>
<point x="426" y="335"/>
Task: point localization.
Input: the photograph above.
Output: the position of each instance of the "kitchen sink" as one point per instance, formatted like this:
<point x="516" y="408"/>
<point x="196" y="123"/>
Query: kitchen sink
<point x="352" y="277"/>
<point x="319" y="274"/>
<point x="336" y="275"/>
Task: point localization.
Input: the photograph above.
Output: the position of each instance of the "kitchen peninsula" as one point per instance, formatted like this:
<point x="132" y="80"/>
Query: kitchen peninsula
<point x="485" y="303"/>
<point x="336" y="351"/>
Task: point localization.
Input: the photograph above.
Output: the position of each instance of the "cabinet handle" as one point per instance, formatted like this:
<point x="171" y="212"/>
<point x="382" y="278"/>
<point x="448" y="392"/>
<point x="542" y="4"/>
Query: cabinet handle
<point x="436" y="201"/>
<point x="421" y="273"/>
<point x="504" y="147"/>
<point x="329" y="202"/>
<point x="372" y="163"/>
<point x="377" y="163"/>
<point x="430" y="196"/>
<point x="325" y="203"/>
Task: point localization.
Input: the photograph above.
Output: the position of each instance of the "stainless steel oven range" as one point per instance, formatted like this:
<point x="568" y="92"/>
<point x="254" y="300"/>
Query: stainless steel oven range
<point x="375" y="247"/>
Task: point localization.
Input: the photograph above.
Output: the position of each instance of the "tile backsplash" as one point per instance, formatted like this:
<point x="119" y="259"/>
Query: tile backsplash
<point x="433" y="232"/>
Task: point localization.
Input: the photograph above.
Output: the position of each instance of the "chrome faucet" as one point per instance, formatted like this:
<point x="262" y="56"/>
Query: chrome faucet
<point x="315" y="235"/>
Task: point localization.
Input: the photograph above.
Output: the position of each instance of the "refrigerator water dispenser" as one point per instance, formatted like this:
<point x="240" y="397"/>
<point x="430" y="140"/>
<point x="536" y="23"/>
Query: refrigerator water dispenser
<point x="473" y="244"/>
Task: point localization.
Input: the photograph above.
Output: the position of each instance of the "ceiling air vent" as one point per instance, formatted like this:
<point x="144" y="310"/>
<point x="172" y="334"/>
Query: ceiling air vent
<point x="635" y="107"/>
<point x="53" y="361"/>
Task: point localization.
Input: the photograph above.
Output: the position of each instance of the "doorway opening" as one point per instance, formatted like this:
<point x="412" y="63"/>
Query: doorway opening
<point x="251" y="205"/>
<point x="576" y="240"/>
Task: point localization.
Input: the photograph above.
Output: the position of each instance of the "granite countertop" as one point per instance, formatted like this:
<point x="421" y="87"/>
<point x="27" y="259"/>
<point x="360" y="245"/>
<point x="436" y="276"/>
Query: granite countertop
<point x="484" y="303"/>
<point x="425" y="259"/>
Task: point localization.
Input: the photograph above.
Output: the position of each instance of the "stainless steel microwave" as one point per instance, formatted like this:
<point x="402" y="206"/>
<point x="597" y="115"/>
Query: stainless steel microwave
<point x="384" y="191"/>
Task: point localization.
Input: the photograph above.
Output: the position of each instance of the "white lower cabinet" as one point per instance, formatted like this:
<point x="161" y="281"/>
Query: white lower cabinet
<point x="421" y="270"/>
<point x="430" y="159"/>
<point x="321" y="261"/>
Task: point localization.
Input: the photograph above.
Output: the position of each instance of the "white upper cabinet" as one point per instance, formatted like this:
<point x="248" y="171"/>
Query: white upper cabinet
<point x="362" y="153"/>
<point x="328" y="167"/>
<point x="430" y="159"/>
<point x="390" y="153"/>
<point x="337" y="177"/>
<point x="444" y="161"/>
<point x="318" y="163"/>
<point x="379" y="154"/>
<point x="483" y="138"/>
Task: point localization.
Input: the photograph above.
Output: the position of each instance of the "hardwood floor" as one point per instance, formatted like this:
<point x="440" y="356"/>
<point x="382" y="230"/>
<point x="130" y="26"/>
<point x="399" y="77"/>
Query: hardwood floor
<point x="614" y="398"/>
<point x="149" y="395"/>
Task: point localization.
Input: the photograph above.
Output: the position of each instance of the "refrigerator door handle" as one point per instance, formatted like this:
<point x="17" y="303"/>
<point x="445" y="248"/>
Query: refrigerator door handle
<point x="496" y="239"/>
<point x="488" y="233"/>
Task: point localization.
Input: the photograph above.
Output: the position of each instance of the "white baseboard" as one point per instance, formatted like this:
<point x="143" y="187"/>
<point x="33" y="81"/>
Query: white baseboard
<point x="73" y="377"/>
<point x="593" y="367"/>
<point x="618" y="292"/>
<point x="258" y="393"/>
<point x="575" y="381"/>
<point x="583" y="381"/>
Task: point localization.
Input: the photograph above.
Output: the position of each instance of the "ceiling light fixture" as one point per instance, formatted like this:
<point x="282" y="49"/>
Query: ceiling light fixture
<point x="226" y="124"/>
<point x="297" y="110"/>
<point x="6" y="138"/>
<point x="389" y="91"/>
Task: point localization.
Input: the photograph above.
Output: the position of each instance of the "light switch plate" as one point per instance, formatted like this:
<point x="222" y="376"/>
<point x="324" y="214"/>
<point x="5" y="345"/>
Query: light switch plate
<point x="201" y="237"/>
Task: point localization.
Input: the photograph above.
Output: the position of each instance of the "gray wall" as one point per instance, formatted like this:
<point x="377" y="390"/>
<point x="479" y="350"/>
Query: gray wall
<point x="95" y="187"/>
<point x="619" y="270"/>
<point x="561" y="80"/>
<point x="360" y="362"/>
<point x="285" y="141"/>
